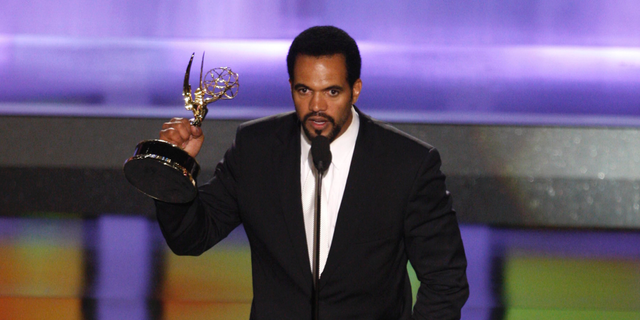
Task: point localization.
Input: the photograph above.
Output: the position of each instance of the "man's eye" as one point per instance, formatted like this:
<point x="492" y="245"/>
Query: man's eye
<point x="333" y="92"/>
<point x="303" y="90"/>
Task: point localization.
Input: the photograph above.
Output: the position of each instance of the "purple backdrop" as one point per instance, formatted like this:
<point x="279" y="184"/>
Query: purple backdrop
<point x="517" y="61"/>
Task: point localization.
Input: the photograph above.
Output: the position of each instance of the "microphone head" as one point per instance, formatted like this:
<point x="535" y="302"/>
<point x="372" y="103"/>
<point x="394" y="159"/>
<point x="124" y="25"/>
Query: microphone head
<point x="321" y="153"/>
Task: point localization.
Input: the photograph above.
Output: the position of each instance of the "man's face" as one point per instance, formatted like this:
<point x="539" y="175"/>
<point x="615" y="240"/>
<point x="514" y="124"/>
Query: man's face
<point x="322" y="95"/>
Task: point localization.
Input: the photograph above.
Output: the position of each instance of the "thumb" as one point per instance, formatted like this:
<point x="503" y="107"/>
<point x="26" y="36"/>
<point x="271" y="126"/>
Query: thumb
<point x="193" y="145"/>
<point x="196" y="132"/>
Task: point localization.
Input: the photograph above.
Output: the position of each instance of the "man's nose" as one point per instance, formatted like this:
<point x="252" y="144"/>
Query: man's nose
<point x="317" y="103"/>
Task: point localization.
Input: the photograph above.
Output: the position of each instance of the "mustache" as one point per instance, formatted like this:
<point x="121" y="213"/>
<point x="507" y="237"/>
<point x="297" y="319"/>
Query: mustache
<point x="319" y="114"/>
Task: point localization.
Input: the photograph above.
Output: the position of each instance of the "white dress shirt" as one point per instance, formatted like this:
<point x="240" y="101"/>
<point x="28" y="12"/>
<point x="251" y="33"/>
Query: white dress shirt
<point x="333" y="185"/>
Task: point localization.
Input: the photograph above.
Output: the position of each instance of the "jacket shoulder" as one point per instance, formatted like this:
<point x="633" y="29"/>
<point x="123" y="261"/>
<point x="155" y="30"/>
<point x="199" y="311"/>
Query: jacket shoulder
<point x="394" y="138"/>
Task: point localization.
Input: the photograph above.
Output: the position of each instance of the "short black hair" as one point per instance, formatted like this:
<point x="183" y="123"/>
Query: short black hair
<point x="326" y="41"/>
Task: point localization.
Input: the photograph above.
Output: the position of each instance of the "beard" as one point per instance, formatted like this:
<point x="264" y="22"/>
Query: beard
<point x="336" y="127"/>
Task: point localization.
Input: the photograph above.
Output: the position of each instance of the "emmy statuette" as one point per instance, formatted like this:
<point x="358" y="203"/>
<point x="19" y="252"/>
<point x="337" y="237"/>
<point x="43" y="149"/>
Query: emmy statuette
<point x="164" y="171"/>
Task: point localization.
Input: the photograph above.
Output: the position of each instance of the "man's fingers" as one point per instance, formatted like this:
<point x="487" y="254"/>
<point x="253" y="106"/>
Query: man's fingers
<point x="176" y="131"/>
<point x="180" y="132"/>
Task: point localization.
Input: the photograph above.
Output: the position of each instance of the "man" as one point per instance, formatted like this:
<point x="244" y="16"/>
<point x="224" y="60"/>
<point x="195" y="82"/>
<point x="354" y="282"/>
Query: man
<point x="385" y="202"/>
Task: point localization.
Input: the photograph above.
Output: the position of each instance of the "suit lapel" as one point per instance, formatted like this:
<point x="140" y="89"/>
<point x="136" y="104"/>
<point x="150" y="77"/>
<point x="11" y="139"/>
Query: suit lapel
<point x="350" y="214"/>
<point x="288" y="164"/>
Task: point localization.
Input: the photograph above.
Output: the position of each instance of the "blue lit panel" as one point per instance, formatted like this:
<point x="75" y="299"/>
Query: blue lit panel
<point x="518" y="62"/>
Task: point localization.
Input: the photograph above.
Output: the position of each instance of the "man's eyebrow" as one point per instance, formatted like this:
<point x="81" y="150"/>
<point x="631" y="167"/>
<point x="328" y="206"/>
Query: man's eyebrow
<point x="336" y="87"/>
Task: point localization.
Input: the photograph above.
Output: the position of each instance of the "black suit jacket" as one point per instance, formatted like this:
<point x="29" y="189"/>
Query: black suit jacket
<point x="395" y="207"/>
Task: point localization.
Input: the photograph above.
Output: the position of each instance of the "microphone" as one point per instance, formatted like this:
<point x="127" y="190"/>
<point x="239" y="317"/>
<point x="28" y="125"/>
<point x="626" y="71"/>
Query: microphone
<point x="321" y="153"/>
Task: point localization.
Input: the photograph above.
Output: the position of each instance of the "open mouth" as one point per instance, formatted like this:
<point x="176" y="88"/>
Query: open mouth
<point x="318" y="123"/>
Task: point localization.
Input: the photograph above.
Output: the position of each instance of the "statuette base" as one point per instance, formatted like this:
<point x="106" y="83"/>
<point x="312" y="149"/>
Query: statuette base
<point x="163" y="171"/>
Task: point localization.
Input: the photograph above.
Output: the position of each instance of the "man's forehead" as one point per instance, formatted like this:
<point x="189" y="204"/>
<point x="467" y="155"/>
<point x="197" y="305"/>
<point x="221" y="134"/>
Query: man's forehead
<point x="313" y="58"/>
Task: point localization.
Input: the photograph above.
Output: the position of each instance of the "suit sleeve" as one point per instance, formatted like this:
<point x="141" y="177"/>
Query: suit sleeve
<point x="434" y="245"/>
<point x="191" y="229"/>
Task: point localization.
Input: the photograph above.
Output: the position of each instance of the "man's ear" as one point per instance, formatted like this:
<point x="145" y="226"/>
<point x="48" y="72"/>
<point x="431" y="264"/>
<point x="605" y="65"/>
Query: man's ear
<point x="355" y="91"/>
